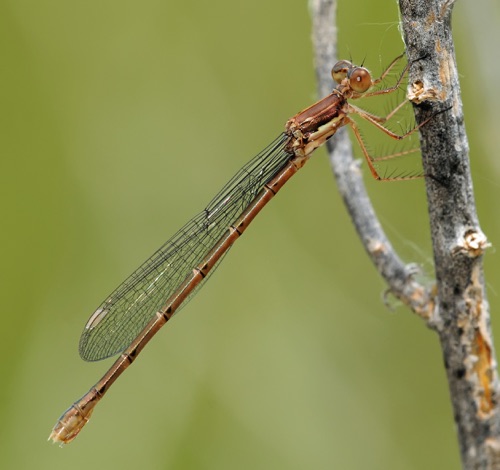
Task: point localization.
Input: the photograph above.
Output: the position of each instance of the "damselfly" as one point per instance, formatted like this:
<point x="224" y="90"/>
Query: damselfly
<point x="140" y="306"/>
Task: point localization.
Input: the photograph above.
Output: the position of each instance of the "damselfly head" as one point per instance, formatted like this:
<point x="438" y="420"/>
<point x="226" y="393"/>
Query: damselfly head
<point x="359" y="78"/>
<point x="340" y="69"/>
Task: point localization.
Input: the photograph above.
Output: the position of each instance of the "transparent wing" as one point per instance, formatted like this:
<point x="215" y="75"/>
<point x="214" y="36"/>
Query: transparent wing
<point x="121" y="317"/>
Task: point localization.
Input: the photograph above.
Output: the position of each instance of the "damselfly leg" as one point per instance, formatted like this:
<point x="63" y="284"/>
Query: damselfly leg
<point x="379" y="123"/>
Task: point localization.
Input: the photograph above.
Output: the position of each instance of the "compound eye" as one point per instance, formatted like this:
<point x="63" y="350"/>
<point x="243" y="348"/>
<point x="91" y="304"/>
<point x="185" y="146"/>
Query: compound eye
<point x="340" y="69"/>
<point x="359" y="79"/>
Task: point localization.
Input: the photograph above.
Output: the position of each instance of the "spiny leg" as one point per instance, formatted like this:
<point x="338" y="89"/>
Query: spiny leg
<point x="370" y="160"/>
<point x="376" y="118"/>
<point x="373" y="119"/>
<point x="388" y="69"/>
<point x="390" y="89"/>
<point x="396" y="155"/>
<point x="383" y="119"/>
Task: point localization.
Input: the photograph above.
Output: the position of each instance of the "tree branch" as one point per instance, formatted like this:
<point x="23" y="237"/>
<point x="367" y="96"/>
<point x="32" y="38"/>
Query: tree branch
<point x="460" y="312"/>
<point x="458" y="242"/>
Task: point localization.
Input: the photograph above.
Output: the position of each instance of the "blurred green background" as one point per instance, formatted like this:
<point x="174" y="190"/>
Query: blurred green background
<point x="120" y="120"/>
